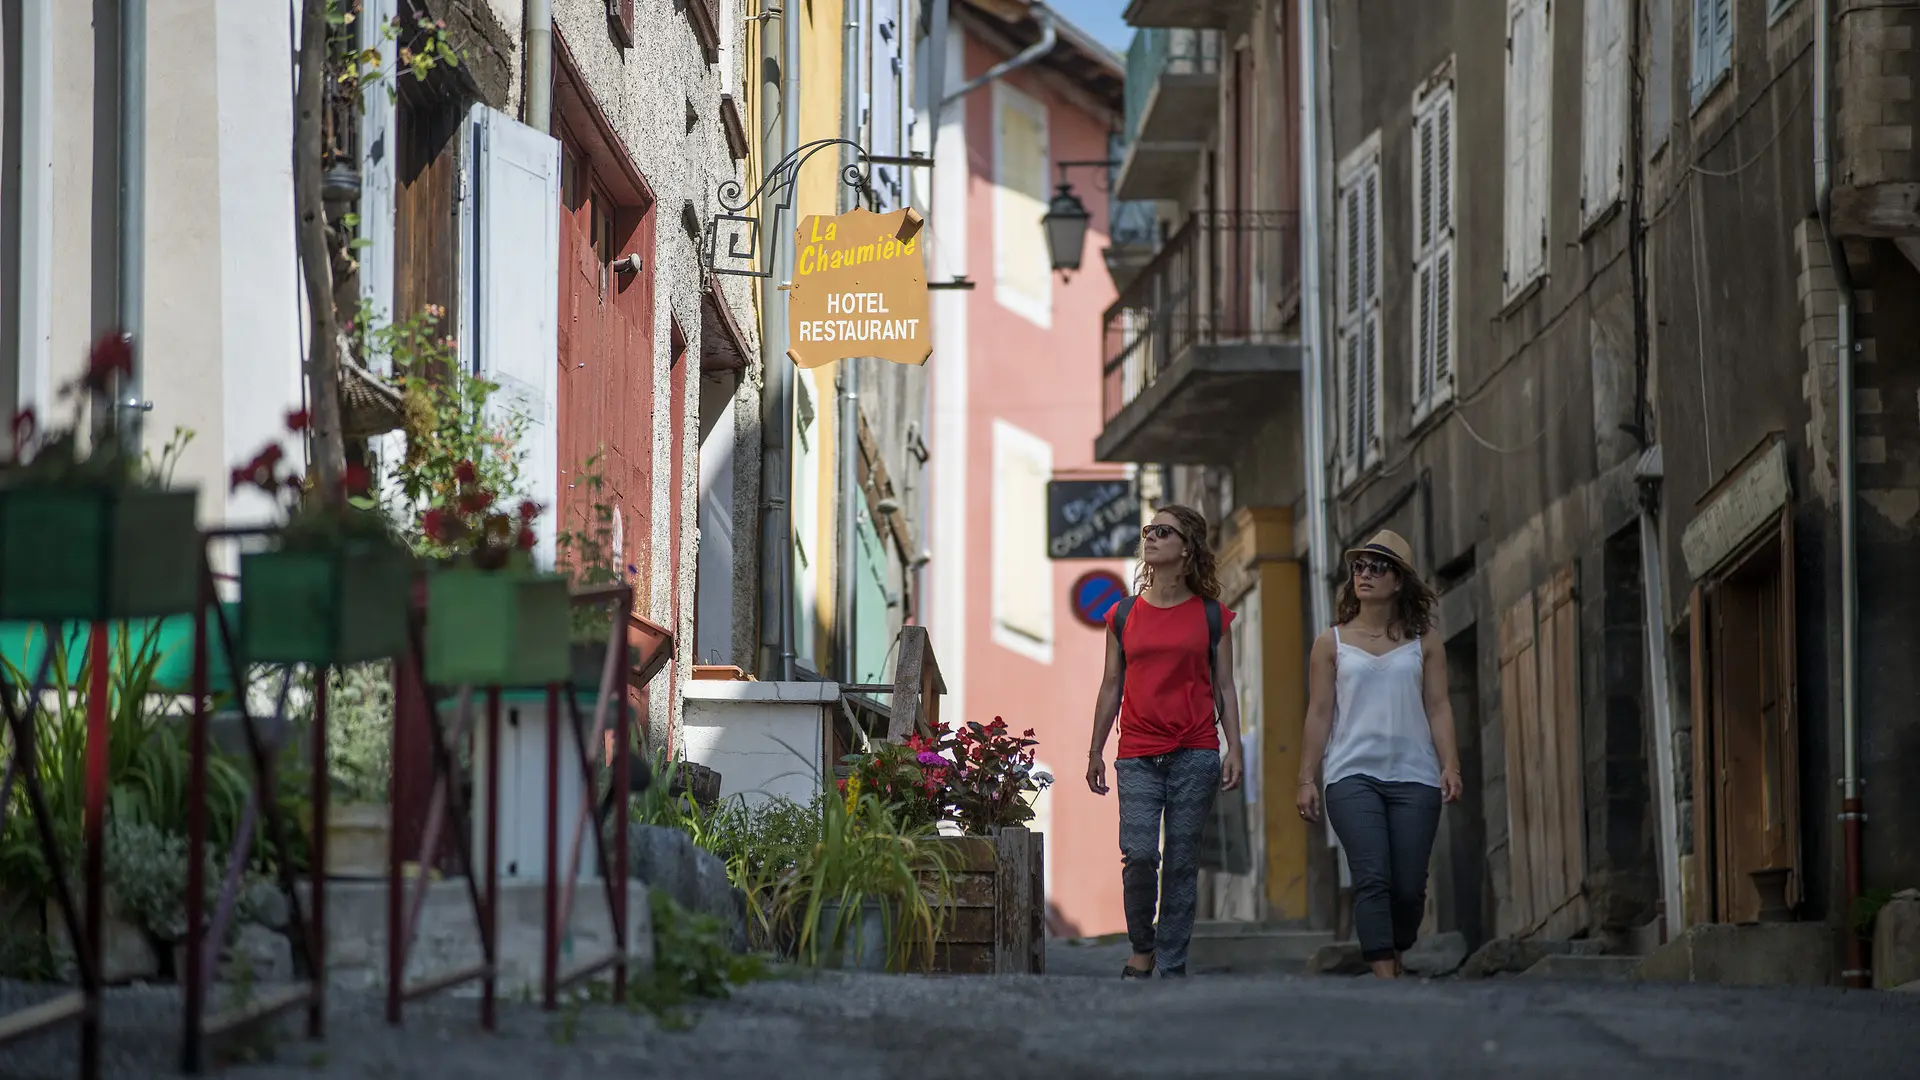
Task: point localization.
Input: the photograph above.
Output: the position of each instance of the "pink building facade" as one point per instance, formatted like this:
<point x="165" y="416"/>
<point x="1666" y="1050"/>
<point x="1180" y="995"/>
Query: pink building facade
<point x="1015" y="403"/>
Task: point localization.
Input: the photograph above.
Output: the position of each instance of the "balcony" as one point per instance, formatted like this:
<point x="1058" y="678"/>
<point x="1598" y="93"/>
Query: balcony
<point x="1203" y="345"/>
<point x="1210" y="14"/>
<point x="1172" y="101"/>
<point x="1133" y="233"/>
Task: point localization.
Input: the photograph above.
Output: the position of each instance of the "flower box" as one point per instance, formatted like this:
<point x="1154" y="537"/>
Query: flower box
<point x="341" y="605"/>
<point x="94" y="554"/>
<point x="993" y="918"/>
<point x="496" y="628"/>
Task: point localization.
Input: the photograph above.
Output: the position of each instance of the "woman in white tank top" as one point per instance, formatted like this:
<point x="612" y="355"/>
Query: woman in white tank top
<point x="1379" y="736"/>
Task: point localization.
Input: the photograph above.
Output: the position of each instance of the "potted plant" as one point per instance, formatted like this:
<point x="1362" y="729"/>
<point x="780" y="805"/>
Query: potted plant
<point x="992" y="782"/>
<point x="859" y="897"/>
<point x="492" y="618"/>
<point x="92" y="532"/>
<point x="333" y="589"/>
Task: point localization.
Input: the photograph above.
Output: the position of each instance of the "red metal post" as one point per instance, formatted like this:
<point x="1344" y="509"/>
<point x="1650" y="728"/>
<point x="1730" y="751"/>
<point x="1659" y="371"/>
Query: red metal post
<point x="317" y="861"/>
<point x="550" y="949"/>
<point x="490" y="918"/>
<point x="96" y="821"/>
<point x="622" y="770"/>
<point x="401" y="780"/>
<point x="196" y="973"/>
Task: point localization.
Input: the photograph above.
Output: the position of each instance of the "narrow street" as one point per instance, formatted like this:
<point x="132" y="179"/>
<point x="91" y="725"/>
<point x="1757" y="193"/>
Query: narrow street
<point x="1080" y="1022"/>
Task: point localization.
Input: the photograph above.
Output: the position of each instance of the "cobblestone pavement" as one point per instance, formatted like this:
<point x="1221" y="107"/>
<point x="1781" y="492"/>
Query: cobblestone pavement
<point x="1077" y="1022"/>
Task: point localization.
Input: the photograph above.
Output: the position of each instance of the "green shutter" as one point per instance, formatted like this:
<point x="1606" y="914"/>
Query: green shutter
<point x="873" y="624"/>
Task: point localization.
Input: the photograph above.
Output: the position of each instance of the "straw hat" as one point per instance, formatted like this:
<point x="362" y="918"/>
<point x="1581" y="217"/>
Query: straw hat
<point x="1392" y="545"/>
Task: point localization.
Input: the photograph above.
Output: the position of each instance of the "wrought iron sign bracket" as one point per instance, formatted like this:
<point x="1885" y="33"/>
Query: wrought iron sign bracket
<point x="776" y="189"/>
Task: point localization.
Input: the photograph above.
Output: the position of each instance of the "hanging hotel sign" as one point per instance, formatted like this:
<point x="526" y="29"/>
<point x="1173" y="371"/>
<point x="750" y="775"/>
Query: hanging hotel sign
<point x="859" y="289"/>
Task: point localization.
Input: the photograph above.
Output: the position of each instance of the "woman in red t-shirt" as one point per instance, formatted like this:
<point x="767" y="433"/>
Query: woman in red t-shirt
<point x="1169" y="765"/>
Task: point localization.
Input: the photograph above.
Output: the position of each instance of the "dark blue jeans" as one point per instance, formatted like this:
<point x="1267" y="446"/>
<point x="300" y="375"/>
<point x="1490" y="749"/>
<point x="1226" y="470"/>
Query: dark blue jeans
<point x="1387" y="832"/>
<point x="1175" y="791"/>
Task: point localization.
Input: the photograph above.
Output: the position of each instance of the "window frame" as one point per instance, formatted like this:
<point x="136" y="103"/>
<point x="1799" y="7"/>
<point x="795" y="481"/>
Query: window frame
<point x="1434" y="103"/>
<point x="1720" y="62"/>
<point x="1601" y="102"/>
<point x="1006" y="294"/>
<point x="1011" y="441"/>
<point x="1358" y="322"/>
<point x="1525" y="103"/>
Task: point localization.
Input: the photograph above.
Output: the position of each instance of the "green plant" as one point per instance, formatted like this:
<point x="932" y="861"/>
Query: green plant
<point x="314" y="520"/>
<point x="451" y="432"/>
<point x="864" y="855"/>
<point x="992" y="776"/>
<point x="1866" y="909"/>
<point x="66" y="456"/>
<point x="353" y="69"/>
<point x="147" y="866"/>
<point x="588" y="554"/>
<point x="691" y="960"/>
<point x="360" y="732"/>
<point x="910" y="777"/>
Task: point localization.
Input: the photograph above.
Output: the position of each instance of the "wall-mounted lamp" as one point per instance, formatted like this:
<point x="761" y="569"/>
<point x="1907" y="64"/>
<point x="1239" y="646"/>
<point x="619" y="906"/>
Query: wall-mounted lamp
<point x="1066" y="218"/>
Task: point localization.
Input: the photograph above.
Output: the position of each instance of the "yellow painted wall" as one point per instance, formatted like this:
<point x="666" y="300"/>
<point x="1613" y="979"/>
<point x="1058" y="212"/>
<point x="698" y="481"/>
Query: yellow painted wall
<point x="1264" y="538"/>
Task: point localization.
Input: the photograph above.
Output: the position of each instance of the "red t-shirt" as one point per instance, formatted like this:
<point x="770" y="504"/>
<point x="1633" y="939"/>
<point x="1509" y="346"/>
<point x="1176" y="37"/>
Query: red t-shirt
<point x="1167" y="701"/>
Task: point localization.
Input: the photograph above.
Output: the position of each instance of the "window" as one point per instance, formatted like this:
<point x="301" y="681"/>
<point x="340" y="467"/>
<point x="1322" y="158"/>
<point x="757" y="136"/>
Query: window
<point x="1022" y="573"/>
<point x="1433" y="181"/>
<point x="1712" y="46"/>
<point x="1659" y="92"/>
<point x="1357" y="350"/>
<point x="1603" y="108"/>
<point x="1023" y="271"/>
<point x="1529" y="111"/>
<point x="1777" y="8"/>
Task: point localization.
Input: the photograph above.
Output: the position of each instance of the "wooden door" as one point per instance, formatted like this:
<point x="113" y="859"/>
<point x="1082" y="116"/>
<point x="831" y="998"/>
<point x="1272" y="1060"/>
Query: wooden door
<point x="1539" y="689"/>
<point x="1754" y="783"/>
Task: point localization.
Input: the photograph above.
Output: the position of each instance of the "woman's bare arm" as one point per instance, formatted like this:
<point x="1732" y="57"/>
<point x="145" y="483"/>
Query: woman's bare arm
<point x="1439" y="703"/>
<point x="1106" y="709"/>
<point x="1319" y="722"/>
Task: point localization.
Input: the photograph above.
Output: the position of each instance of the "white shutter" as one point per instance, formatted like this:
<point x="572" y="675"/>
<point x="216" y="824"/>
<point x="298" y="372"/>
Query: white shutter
<point x="1424" y="167"/>
<point x="1519" y="62"/>
<point x="1443" y="169"/>
<point x="1722" y="36"/>
<point x="1443" y="323"/>
<point x="1370" y="388"/>
<point x="1022" y="572"/>
<point x="1371" y="244"/>
<point x="1432" y="241"/>
<point x="515" y="187"/>
<point x="1539" y="134"/>
<point x="1350" y="400"/>
<point x="1603" y="108"/>
<point x="1422" y="338"/>
<point x="1354" y="262"/>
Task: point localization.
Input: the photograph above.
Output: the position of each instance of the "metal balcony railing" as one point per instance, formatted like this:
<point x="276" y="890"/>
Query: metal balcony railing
<point x="1227" y="277"/>
<point x="1160" y="51"/>
<point x="1131" y="224"/>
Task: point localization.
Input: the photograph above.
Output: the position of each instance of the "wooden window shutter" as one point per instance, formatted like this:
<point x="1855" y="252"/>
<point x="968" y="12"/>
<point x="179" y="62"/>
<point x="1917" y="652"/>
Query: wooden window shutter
<point x="620" y="22"/>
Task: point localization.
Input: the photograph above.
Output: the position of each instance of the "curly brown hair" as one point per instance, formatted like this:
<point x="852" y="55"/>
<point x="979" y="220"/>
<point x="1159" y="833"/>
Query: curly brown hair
<point x="1203" y="575"/>
<point x="1412" y="606"/>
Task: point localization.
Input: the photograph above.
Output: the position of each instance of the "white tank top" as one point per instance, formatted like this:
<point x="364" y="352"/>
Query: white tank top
<point x="1379" y="717"/>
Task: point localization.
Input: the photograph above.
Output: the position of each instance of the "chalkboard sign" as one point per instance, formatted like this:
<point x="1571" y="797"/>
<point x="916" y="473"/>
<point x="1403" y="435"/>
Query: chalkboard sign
<point x="1093" y="519"/>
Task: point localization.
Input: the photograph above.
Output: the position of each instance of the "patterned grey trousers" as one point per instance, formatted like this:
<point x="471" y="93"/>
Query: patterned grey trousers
<point x="1175" y="789"/>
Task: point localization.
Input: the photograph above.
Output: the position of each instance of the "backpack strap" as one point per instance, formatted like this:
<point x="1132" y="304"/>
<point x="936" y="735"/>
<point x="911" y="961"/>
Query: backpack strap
<point x="1120" y="611"/>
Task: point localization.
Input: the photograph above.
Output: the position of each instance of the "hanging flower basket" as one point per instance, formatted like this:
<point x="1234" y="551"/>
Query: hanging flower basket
<point x="92" y="534"/>
<point x="369" y="405"/>
<point x="97" y="553"/>
<point x="496" y="628"/>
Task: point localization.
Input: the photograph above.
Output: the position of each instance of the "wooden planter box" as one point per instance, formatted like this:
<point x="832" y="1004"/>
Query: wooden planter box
<point x="97" y="554"/>
<point x="995" y="921"/>
<point x="334" y="607"/>
<point x="496" y="628"/>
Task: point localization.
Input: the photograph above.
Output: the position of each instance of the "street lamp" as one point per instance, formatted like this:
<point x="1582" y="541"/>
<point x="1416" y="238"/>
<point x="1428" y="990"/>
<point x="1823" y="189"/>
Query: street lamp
<point x="1066" y="224"/>
<point x="1066" y="218"/>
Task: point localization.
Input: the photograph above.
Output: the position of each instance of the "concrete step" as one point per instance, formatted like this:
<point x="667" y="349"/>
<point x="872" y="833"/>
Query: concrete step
<point x="1256" y="950"/>
<point x="1586" y="968"/>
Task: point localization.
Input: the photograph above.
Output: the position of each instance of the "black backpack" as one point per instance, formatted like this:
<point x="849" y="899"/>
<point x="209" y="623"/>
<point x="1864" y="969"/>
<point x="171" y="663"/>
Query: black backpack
<point x="1214" y="619"/>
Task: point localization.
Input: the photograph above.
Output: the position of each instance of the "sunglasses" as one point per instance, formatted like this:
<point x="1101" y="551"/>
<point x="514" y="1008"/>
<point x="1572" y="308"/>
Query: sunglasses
<point x="1374" y="567"/>
<point x="1161" y="532"/>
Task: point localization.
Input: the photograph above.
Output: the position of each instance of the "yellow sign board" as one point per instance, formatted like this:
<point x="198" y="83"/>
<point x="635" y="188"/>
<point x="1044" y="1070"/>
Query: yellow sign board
<point x="859" y="289"/>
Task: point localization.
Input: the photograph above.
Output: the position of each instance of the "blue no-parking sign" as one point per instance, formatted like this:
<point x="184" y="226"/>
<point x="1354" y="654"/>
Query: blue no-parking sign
<point x="1094" y="594"/>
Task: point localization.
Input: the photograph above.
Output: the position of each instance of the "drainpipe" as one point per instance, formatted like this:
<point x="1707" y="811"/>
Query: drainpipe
<point x="776" y="398"/>
<point x="539" y="108"/>
<point x="133" y="219"/>
<point x="846" y="579"/>
<point x="1049" y="34"/>
<point x="1650" y="473"/>
<point x="1851" y="815"/>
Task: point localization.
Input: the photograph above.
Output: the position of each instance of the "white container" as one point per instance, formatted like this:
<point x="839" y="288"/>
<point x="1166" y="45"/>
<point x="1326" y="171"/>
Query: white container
<point x="523" y="790"/>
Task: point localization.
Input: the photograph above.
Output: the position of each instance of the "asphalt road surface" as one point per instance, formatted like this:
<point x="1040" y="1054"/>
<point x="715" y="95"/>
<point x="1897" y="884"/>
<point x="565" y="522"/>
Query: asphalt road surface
<point x="1079" y="1021"/>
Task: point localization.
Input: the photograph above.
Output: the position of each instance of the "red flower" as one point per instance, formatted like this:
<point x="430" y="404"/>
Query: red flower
<point x="437" y="524"/>
<point x="464" y="472"/>
<point x="475" y="501"/>
<point x="1028" y="734"/>
<point x="112" y="355"/>
<point x="356" y="480"/>
<point x="237" y="479"/>
<point x="526" y="540"/>
<point x="298" y="420"/>
<point x="529" y="510"/>
<point x="997" y="725"/>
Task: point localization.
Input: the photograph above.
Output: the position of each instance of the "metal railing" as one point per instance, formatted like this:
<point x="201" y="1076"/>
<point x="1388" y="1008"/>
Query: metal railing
<point x="1162" y="51"/>
<point x="1132" y="223"/>
<point x="1228" y="276"/>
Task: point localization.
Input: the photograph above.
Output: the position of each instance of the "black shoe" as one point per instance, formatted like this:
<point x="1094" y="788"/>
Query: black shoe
<point x="1131" y="972"/>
